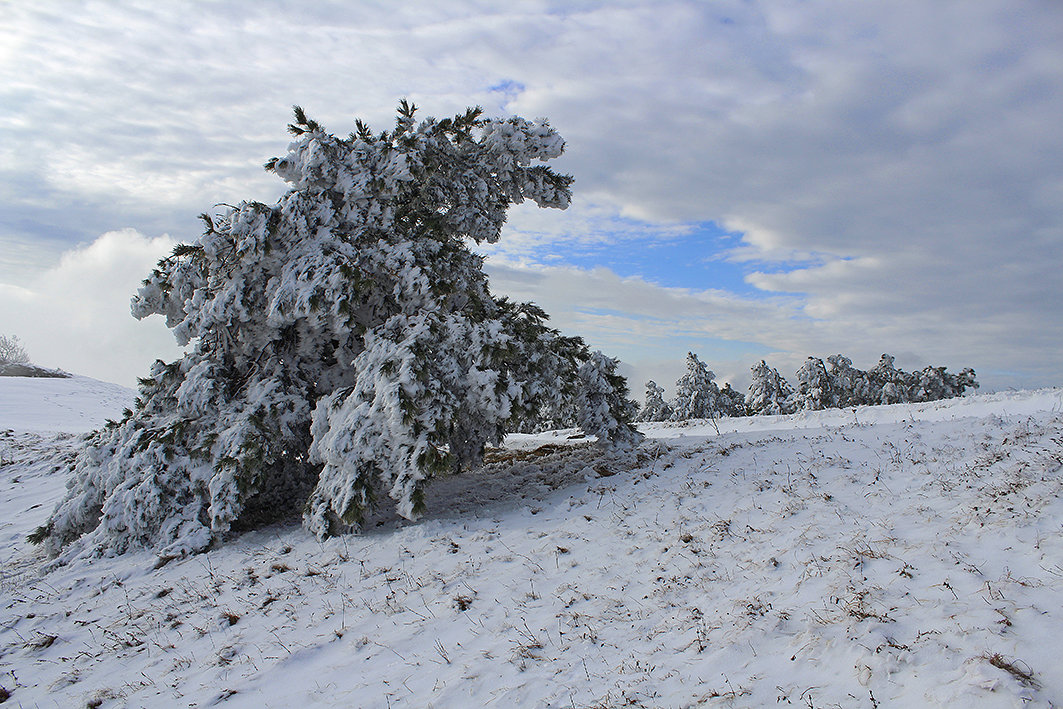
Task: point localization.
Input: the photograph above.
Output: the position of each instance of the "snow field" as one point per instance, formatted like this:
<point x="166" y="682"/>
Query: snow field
<point x="73" y="405"/>
<point x="894" y="556"/>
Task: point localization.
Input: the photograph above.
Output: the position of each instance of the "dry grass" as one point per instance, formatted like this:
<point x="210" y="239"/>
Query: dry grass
<point x="1025" y="677"/>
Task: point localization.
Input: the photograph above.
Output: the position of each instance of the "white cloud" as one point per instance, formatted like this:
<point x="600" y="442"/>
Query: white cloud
<point x="75" y="316"/>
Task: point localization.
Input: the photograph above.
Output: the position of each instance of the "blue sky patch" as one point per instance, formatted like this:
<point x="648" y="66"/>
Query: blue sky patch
<point x="509" y="89"/>
<point x="692" y="260"/>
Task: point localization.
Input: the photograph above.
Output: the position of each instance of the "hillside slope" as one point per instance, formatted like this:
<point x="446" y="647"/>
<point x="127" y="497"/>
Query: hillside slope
<point x="895" y="556"/>
<point x="72" y="405"/>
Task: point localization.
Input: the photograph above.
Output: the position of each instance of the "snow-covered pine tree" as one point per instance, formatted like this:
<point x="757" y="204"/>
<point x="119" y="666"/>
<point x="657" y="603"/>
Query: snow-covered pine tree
<point x="769" y="393"/>
<point x="696" y="392"/>
<point x="850" y="386"/>
<point x="966" y="379"/>
<point x="604" y="406"/>
<point x="887" y="382"/>
<point x="934" y="383"/>
<point x="814" y="388"/>
<point x="344" y="344"/>
<point x="731" y="402"/>
<point x="655" y="407"/>
<point x="928" y="384"/>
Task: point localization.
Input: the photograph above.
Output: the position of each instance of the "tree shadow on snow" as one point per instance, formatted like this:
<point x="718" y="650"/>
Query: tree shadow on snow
<point x="511" y="479"/>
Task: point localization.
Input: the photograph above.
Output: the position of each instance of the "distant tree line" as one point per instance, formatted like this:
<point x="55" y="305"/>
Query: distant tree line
<point x="830" y="385"/>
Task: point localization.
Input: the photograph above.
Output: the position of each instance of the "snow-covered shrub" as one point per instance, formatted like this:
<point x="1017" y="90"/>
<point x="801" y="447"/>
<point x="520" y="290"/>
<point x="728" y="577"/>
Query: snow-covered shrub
<point x="345" y="346"/>
<point x="769" y="393"/>
<point x="966" y="379"/>
<point x="655" y="407"/>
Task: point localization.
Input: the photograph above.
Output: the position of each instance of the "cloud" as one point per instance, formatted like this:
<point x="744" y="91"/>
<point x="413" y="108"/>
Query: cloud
<point x="75" y="316"/>
<point x="652" y="327"/>
<point x="889" y="164"/>
<point x="892" y="167"/>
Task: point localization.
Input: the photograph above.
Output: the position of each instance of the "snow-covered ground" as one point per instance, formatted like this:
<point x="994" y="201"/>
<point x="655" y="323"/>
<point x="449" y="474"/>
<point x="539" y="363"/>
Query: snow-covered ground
<point x="71" y="405"/>
<point x="907" y="555"/>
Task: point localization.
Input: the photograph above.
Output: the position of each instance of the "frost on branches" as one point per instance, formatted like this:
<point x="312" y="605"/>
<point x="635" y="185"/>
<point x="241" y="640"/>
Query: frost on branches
<point x="344" y="345"/>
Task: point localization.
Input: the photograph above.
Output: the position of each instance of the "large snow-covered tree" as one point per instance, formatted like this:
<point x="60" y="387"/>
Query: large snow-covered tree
<point x="934" y="383"/>
<point x="344" y="345"/>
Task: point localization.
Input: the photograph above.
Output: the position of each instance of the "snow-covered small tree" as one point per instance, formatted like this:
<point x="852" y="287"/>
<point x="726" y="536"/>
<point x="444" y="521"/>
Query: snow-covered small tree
<point x="929" y="384"/>
<point x="12" y="351"/>
<point x="849" y="385"/>
<point x="655" y="407"/>
<point x="604" y="406"/>
<point x="887" y="382"/>
<point x="731" y="402"/>
<point x="815" y="390"/>
<point x="344" y="344"/>
<point x="934" y="383"/>
<point x="966" y="379"/>
<point x="769" y="393"/>
<point x="695" y="392"/>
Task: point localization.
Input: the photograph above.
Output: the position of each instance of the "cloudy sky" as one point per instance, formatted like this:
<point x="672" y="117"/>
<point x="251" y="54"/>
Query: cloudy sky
<point x="755" y="179"/>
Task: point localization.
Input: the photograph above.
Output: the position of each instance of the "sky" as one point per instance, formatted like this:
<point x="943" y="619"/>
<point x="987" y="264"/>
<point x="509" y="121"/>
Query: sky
<point x="753" y="179"/>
